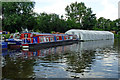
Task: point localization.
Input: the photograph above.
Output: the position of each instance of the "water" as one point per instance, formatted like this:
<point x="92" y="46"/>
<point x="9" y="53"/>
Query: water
<point x="93" y="59"/>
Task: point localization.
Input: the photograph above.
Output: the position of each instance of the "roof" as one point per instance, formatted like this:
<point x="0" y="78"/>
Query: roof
<point x="91" y="34"/>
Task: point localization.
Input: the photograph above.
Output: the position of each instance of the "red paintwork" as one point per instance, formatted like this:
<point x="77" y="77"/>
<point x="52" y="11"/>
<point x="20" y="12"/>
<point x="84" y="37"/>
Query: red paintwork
<point x="46" y="36"/>
<point x="25" y="44"/>
<point x="23" y="37"/>
<point x="31" y="40"/>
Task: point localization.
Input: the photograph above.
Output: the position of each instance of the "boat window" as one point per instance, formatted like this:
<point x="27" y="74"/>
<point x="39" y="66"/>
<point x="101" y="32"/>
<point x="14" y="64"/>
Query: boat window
<point x="73" y="33"/>
<point x="51" y="39"/>
<point x="44" y="39"/>
<point x="57" y="38"/>
<point x="47" y="39"/>
<point x="41" y="39"/>
<point x="26" y="35"/>
<point x="18" y="36"/>
<point x="66" y="37"/>
<point x="71" y="37"/>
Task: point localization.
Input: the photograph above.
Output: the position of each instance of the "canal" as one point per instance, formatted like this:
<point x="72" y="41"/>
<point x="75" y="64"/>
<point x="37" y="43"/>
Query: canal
<point x="92" y="59"/>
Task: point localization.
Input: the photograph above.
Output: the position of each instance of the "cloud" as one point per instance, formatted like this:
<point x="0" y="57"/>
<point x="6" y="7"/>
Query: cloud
<point x="109" y="11"/>
<point x="102" y="8"/>
<point x="55" y="6"/>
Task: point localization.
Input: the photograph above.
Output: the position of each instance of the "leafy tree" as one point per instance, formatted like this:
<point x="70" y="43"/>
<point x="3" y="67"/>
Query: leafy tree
<point x="17" y="15"/>
<point x="104" y="24"/>
<point x="89" y="20"/>
<point x="81" y="15"/>
<point x="50" y="22"/>
<point x="116" y="25"/>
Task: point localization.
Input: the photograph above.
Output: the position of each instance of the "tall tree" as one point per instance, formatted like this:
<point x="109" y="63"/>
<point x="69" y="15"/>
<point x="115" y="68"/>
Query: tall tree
<point x="116" y="25"/>
<point x="80" y="14"/>
<point x="103" y="24"/>
<point x="50" y="22"/>
<point x="16" y="15"/>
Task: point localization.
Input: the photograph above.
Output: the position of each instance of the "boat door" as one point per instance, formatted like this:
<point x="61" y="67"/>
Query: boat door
<point x="55" y="38"/>
<point x="63" y="38"/>
<point x="34" y="39"/>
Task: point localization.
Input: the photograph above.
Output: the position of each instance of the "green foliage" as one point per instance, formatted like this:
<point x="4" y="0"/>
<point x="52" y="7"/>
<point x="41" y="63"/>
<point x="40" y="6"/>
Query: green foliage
<point x="17" y="15"/>
<point x="50" y="22"/>
<point x="117" y="35"/>
<point x="52" y="31"/>
<point x="38" y="30"/>
<point x="80" y="15"/>
<point x="6" y="35"/>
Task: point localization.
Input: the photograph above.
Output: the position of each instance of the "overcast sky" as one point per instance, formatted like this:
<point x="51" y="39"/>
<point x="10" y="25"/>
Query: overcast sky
<point x="102" y="8"/>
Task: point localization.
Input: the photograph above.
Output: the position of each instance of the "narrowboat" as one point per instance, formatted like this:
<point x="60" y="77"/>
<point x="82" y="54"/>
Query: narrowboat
<point x="14" y="42"/>
<point x="45" y="40"/>
<point x="31" y="40"/>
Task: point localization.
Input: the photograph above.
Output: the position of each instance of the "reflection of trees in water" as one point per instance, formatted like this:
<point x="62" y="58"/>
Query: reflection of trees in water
<point x="51" y="57"/>
<point x="54" y="54"/>
<point x="78" y="62"/>
<point x="17" y="68"/>
<point x="78" y="58"/>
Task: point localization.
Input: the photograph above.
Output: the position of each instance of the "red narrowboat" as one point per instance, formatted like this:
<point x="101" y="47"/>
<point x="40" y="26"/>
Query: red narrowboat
<point x="45" y="40"/>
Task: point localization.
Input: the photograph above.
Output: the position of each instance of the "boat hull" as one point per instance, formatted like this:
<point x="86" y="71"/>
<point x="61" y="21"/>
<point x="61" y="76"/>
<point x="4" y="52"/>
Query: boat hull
<point x="50" y="44"/>
<point x="14" y="44"/>
<point x="4" y="45"/>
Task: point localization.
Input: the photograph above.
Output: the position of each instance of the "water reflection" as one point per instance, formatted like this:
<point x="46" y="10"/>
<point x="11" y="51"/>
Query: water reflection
<point x="83" y="59"/>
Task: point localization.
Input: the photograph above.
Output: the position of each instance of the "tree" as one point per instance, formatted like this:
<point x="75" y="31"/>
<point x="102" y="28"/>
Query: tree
<point x="89" y="20"/>
<point x="81" y="15"/>
<point x="103" y="24"/>
<point x="50" y="22"/>
<point x="17" y="15"/>
<point x="116" y="25"/>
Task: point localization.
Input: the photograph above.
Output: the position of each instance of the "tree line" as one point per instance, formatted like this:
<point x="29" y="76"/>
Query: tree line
<point x="18" y="15"/>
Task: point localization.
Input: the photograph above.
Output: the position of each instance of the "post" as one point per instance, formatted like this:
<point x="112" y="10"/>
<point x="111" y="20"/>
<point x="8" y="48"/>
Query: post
<point x="118" y="9"/>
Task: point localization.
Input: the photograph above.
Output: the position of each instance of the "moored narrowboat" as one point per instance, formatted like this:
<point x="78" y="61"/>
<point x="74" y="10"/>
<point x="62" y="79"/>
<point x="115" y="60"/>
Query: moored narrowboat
<point x="31" y="41"/>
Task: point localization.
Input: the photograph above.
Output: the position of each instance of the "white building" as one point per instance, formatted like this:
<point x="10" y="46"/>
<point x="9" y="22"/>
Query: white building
<point x="91" y="35"/>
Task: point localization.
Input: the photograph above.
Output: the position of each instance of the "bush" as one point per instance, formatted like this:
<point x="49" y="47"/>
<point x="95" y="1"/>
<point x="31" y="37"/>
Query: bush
<point x="6" y="35"/>
<point x="117" y="35"/>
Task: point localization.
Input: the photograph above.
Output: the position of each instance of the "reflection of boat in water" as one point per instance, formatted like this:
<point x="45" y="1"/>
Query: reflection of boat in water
<point x="67" y="57"/>
<point x="77" y="47"/>
<point x="38" y="53"/>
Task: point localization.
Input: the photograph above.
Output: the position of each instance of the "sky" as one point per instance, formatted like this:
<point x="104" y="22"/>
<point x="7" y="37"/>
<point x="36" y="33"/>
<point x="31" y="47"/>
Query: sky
<point x="102" y="8"/>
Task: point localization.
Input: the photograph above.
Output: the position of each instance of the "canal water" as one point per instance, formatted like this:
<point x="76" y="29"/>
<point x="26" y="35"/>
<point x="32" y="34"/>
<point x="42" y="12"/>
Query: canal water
<point x="92" y="59"/>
